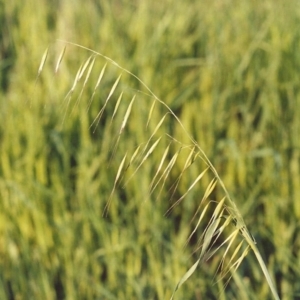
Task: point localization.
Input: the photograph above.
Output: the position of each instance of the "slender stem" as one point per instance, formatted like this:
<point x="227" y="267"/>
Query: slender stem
<point x="265" y="271"/>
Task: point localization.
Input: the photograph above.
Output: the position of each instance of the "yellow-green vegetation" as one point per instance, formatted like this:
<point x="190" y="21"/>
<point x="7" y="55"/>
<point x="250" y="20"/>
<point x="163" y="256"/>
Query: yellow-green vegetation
<point x="105" y="191"/>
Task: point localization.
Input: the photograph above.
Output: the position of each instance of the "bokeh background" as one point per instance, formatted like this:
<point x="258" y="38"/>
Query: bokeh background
<point x="230" y="70"/>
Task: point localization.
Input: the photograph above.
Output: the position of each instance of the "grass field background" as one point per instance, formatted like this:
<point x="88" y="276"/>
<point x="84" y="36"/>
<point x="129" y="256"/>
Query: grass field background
<point x="230" y="70"/>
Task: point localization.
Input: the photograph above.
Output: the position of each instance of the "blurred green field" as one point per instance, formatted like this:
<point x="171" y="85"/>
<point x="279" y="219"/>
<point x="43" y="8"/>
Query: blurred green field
<point x="230" y="70"/>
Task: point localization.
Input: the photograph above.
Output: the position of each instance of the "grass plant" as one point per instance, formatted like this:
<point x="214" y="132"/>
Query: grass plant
<point x="225" y="209"/>
<point x="105" y="190"/>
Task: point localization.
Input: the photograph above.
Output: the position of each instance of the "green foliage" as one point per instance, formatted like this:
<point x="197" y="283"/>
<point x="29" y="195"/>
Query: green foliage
<point x="228" y="69"/>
